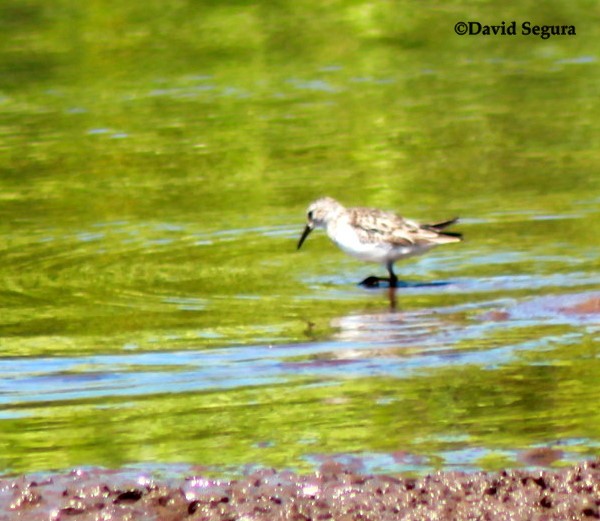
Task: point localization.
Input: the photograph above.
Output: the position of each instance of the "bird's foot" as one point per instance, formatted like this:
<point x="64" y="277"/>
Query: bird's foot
<point x="375" y="282"/>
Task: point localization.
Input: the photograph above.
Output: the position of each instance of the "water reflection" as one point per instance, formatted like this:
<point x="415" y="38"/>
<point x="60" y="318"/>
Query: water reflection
<point x="394" y="343"/>
<point x="400" y="365"/>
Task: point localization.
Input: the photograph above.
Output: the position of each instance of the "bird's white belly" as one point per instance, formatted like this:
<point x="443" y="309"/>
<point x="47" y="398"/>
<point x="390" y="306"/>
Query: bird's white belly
<point x="380" y="252"/>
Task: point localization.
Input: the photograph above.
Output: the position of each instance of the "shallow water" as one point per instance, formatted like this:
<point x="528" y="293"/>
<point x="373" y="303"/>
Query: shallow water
<point x="154" y="174"/>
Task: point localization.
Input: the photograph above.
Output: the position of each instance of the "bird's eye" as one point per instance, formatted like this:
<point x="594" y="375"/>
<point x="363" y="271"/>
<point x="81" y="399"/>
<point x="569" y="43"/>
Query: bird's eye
<point x="310" y="215"/>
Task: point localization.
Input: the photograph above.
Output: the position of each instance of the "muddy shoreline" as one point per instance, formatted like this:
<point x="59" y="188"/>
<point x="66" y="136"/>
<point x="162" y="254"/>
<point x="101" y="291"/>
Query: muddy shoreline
<point x="333" y="492"/>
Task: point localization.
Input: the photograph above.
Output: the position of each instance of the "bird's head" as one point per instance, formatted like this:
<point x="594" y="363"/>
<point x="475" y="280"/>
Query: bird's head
<point x="318" y="215"/>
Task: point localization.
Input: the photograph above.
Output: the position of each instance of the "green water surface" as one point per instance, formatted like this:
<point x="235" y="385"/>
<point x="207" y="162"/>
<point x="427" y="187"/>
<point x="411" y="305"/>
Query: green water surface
<point x="156" y="162"/>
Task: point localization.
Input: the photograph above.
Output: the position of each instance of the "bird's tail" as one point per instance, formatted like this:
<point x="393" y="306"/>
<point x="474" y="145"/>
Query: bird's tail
<point x="438" y="227"/>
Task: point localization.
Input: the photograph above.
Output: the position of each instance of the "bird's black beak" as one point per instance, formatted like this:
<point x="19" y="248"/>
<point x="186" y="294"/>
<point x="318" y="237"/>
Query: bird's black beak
<point x="305" y="233"/>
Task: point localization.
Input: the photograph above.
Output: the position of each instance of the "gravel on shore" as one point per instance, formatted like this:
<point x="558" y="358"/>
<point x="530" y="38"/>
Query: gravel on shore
<point x="334" y="492"/>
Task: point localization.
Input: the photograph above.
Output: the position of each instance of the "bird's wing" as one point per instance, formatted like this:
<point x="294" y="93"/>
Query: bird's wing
<point x="374" y="225"/>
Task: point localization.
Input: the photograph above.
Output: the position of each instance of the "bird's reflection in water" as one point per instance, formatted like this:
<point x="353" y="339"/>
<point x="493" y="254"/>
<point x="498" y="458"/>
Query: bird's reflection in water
<point x="392" y="297"/>
<point x="390" y="333"/>
<point x="377" y="282"/>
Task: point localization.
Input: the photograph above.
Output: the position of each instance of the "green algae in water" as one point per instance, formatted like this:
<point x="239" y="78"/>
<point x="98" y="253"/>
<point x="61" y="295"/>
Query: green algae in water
<point x="155" y="168"/>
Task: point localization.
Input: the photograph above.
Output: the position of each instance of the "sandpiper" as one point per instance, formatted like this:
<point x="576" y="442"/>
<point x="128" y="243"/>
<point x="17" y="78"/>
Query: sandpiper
<point x="374" y="235"/>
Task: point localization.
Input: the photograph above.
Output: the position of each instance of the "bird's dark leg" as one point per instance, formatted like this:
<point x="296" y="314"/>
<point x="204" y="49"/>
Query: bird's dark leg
<point x="393" y="278"/>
